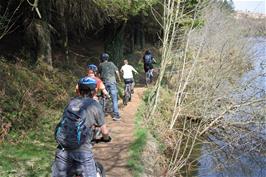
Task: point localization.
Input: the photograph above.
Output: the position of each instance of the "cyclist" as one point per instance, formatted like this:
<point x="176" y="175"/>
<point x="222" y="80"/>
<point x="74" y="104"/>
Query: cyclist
<point x="148" y="60"/>
<point x="100" y="88"/>
<point x="127" y="69"/>
<point x="86" y="108"/>
<point x="108" y="72"/>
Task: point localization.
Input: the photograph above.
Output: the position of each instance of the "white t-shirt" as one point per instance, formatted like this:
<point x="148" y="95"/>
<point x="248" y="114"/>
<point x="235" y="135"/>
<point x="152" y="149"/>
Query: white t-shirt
<point x="127" y="71"/>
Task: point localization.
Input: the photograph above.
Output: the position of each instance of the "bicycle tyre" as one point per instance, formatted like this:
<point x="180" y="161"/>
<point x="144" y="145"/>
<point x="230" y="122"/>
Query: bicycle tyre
<point x="100" y="170"/>
<point x="125" y="100"/>
<point x="127" y="94"/>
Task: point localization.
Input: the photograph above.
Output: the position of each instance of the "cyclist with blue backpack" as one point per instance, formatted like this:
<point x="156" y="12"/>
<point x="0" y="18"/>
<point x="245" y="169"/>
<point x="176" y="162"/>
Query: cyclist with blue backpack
<point x="75" y="132"/>
<point x="148" y="61"/>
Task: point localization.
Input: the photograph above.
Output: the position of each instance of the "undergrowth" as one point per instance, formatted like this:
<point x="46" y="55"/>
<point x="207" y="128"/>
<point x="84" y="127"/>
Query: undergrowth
<point x="30" y="153"/>
<point x="32" y="100"/>
<point x="137" y="147"/>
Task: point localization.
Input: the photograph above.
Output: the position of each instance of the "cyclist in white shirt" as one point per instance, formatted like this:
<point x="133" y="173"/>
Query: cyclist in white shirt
<point x="127" y="69"/>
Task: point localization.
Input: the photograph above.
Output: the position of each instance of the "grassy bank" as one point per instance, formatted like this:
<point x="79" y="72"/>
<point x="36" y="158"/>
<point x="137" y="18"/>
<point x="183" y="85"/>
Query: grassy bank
<point x="32" y="100"/>
<point x="135" y="162"/>
<point x="29" y="153"/>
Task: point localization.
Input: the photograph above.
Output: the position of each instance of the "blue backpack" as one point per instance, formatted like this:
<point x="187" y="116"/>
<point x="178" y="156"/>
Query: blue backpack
<point x="72" y="131"/>
<point x="148" y="59"/>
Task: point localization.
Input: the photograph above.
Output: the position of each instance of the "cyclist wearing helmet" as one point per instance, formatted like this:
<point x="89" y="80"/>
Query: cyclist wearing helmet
<point x="108" y="72"/>
<point x="127" y="69"/>
<point x="92" y="72"/>
<point x="148" y="60"/>
<point x="81" y="107"/>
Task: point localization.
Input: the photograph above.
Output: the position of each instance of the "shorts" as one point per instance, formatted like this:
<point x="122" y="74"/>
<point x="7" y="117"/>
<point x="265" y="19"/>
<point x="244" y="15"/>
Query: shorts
<point x="128" y="81"/>
<point x="67" y="162"/>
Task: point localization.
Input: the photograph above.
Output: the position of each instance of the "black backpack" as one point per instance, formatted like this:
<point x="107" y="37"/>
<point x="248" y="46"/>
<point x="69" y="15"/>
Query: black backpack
<point x="72" y="131"/>
<point x="148" y="59"/>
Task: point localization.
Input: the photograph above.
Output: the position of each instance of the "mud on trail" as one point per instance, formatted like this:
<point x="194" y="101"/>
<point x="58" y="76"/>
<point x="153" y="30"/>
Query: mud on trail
<point x="114" y="155"/>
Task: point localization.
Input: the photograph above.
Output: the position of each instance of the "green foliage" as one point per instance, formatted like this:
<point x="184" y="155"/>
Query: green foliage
<point x="122" y="9"/>
<point x="31" y="153"/>
<point x="32" y="100"/>
<point x="138" y="145"/>
<point x="26" y="94"/>
<point x="229" y="5"/>
<point x="3" y="22"/>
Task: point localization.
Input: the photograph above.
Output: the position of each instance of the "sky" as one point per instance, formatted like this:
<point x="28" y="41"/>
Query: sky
<point x="258" y="6"/>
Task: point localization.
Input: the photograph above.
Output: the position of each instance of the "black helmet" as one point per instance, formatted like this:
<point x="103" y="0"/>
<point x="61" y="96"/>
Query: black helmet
<point x="87" y="84"/>
<point x="104" y="57"/>
<point x="148" y="52"/>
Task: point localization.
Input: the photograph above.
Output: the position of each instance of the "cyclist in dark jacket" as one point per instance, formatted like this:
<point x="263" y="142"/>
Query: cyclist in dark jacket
<point x="148" y="60"/>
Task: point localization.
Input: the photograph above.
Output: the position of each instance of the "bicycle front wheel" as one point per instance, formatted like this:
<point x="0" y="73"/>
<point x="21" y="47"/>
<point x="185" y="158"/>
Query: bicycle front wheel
<point x="100" y="170"/>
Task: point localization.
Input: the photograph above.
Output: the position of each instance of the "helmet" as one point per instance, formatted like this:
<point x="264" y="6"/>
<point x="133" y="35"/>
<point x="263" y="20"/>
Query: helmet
<point x="87" y="83"/>
<point x="104" y="57"/>
<point x="92" y="67"/>
<point x="148" y="52"/>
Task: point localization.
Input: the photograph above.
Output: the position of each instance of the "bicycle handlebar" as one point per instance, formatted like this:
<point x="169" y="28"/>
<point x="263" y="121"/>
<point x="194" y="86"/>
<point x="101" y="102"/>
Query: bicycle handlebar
<point x="102" y="140"/>
<point x="99" y="138"/>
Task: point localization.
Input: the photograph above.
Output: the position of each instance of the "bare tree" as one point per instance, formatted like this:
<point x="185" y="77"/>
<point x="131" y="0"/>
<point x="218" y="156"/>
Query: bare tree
<point x="204" y="67"/>
<point x="9" y="17"/>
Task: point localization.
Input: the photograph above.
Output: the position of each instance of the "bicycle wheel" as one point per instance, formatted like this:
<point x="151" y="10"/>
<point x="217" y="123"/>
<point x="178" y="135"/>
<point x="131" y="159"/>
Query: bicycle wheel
<point x="129" y="92"/>
<point x="126" y="97"/>
<point x="109" y="105"/>
<point x="100" y="170"/>
<point x="147" y="78"/>
<point x="125" y="100"/>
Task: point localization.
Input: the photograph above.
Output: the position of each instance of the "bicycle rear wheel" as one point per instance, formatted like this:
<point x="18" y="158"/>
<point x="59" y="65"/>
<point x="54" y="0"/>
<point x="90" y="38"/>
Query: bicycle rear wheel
<point x="149" y="76"/>
<point x="127" y="94"/>
<point x="100" y="170"/>
<point x="125" y="100"/>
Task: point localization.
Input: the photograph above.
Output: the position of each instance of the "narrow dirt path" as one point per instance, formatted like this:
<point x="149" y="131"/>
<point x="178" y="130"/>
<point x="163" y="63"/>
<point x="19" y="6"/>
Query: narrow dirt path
<point x="114" y="155"/>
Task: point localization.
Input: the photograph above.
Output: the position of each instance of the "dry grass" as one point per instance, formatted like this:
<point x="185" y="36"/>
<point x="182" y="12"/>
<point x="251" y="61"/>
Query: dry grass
<point x="203" y="68"/>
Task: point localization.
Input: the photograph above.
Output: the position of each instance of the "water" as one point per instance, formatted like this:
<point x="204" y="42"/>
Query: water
<point x="243" y="153"/>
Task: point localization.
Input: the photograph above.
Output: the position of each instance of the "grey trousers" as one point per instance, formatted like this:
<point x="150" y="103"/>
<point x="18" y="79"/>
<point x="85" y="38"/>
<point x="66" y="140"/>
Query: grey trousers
<point x="67" y="162"/>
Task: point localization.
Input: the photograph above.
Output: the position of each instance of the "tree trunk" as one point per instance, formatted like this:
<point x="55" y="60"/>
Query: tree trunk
<point x="64" y="15"/>
<point x="115" y="42"/>
<point x="132" y="41"/>
<point x="142" y="34"/>
<point x="137" y="35"/>
<point x="39" y="36"/>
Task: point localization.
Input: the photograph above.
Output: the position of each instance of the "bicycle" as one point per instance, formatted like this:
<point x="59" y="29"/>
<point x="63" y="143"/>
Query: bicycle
<point x="106" y="103"/>
<point x="127" y="91"/>
<point x="149" y="77"/>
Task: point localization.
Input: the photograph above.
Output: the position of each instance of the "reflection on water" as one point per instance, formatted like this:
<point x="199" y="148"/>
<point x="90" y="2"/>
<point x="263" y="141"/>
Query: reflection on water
<point x="243" y="153"/>
<point x="256" y="78"/>
<point x="221" y="165"/>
